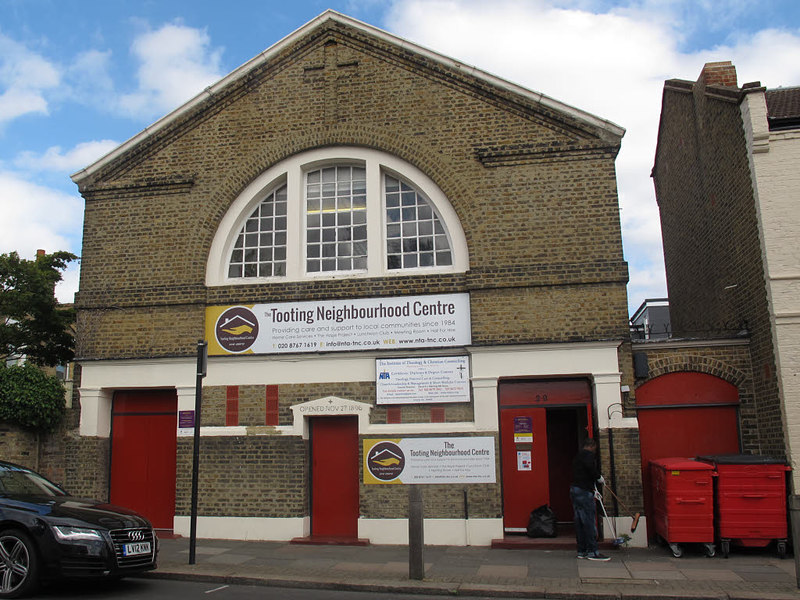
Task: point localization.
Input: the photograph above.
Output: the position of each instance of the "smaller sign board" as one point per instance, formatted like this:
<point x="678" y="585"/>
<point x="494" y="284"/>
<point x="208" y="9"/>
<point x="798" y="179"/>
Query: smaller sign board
<point x="523" y="430"/>
<point x="422" y="380"/>
<point x="429" y="460"/>
<point x="185" y="419"/>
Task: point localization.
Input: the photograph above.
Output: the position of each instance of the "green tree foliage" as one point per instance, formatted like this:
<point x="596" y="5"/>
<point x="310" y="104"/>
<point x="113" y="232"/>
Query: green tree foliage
<point x="32" y="323"/>
<point x="30" y="398"/>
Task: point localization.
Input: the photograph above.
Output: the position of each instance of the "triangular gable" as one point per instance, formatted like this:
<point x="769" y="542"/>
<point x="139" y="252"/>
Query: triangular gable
<point x="331" y="18"/>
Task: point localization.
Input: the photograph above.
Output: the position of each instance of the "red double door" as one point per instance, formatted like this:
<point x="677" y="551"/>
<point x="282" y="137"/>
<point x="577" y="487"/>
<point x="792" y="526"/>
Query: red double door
<point x="334" y="477"/>
<point x="685" y="414"/>
<point x="143" y="448"/>
<point x="542" y="424"/>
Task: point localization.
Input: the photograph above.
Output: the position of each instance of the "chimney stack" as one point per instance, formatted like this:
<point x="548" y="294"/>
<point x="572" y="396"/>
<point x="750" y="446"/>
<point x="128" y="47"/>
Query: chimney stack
<point x="40" y="253"/>
<point x="718" y="73"/>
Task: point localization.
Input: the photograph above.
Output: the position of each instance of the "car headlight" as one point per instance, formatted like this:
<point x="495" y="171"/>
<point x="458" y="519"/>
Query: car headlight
<point x="66" y="533"/>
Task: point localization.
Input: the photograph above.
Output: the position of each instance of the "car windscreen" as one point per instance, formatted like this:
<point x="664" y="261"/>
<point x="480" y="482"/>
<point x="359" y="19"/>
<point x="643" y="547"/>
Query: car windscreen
<point x="21" y="482"/>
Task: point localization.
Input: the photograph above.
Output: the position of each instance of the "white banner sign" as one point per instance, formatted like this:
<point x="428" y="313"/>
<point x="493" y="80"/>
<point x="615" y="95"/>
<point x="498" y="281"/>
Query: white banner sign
<point x="340" y="325"/>
<point x="422" y="380"/>
<point x="430" y="460"/>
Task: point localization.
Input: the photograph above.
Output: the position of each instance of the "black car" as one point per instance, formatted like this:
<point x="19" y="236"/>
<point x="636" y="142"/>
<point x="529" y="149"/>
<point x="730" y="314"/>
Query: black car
<point x="47" y="534"/>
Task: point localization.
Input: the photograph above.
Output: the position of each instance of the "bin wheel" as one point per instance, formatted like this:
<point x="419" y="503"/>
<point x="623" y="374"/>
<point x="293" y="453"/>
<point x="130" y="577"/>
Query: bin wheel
<point x="725" y="547"/>
<point x="781" y="549"/>
<point x="677" y="551"/>
<point x="710" y="550"/>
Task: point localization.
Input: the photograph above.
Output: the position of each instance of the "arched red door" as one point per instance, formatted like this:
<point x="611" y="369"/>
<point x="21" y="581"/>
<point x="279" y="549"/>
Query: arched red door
<point x="685" y="415"/>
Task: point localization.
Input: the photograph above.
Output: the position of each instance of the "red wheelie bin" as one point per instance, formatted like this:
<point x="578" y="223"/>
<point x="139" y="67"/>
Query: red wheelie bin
<point x="750" y="501"/>
<point x="683" y="503"/>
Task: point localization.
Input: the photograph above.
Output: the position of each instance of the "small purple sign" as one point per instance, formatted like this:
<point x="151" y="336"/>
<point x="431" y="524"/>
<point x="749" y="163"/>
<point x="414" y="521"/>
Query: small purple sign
<point x="185" y="418"/>
<point x="523" y="425"/>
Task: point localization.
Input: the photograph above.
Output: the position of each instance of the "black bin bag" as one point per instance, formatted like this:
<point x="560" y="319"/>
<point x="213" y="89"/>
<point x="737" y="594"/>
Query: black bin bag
<point x="542" y="523"/>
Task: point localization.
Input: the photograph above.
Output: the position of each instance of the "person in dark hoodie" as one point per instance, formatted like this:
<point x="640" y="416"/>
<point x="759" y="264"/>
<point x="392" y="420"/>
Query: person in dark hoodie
<point x="585" y="475"/>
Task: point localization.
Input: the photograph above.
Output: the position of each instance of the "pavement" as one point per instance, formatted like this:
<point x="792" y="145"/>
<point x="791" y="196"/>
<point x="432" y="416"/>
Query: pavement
<point x="632" y="573"/>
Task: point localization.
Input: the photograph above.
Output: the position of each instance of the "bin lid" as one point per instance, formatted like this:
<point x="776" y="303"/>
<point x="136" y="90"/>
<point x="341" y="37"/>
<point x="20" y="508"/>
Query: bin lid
<point x="681" y="464"/>
<point x="741" y="459"/>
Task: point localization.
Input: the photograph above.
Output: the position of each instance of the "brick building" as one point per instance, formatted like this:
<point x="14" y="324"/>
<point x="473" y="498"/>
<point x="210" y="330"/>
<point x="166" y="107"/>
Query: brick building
<point x="354" y="223"/>
<point x="726" y="174"/>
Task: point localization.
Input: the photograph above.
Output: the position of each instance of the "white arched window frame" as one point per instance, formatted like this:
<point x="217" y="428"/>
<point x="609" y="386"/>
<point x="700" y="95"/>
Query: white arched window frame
<point x="291" y="173"/>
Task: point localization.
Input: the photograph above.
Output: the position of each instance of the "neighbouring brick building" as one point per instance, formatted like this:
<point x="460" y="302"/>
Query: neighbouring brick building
<point x="358" y="226"/>
<point x="726" y="174"/>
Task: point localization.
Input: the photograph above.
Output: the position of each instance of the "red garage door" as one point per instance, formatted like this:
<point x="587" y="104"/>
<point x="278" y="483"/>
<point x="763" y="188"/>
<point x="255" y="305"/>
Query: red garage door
<point x="686" y="415"/>
<point x="143" y="447"/>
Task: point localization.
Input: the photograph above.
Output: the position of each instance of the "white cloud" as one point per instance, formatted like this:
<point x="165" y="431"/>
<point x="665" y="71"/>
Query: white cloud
<point x="54" y="159"/>
<point x="24" y="78"/>
<point x="176" y="63"/>
<point x="38" y="217"/>
<point x="612" y="64"/>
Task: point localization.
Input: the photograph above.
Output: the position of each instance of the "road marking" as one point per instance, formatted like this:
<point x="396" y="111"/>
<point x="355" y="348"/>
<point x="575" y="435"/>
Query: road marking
<point x="216" y="589"/>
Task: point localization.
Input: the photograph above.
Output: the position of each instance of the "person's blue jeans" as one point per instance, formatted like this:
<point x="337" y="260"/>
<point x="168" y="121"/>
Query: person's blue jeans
<point x="583" y="505"/>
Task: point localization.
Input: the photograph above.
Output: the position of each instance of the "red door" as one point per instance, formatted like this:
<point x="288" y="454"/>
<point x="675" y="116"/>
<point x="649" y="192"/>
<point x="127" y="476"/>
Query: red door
<point x="526" y="481"/>
<point x="685" y="415"/>
<point x="334" y="477"/>
<point x="542" y="423"/>
<point x="143" y="449"/>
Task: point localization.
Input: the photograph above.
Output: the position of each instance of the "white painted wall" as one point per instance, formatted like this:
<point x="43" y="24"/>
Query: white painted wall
<point x="775" y="171"/>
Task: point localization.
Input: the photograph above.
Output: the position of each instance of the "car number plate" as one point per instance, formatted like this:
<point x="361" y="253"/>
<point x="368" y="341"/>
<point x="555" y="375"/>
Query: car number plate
<point x="136" y="549"/>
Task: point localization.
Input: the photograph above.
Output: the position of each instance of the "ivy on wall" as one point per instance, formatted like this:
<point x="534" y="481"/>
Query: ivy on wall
<point x="30" y="398"/>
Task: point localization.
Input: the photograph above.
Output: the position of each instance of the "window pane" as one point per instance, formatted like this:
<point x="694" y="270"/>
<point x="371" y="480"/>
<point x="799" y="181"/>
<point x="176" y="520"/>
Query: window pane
<point x="263" y="237"/>
<point x="413" y="239"/>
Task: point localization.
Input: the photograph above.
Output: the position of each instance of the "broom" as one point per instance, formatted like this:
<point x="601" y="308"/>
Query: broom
<point x="635" y="516"/>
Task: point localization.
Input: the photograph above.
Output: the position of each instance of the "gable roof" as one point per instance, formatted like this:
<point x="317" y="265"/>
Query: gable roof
<point x="318" y="22"/>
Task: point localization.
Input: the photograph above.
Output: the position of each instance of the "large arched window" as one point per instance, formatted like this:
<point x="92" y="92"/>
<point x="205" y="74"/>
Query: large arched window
<point x="337" y="212"/>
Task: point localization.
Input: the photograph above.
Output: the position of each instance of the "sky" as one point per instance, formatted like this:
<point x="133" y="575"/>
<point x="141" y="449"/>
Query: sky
<point x="80" y="77"/>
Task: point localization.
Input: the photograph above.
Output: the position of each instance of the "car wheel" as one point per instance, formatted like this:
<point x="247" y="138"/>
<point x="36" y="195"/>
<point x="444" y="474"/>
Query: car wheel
<point x="19" y="564"/>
